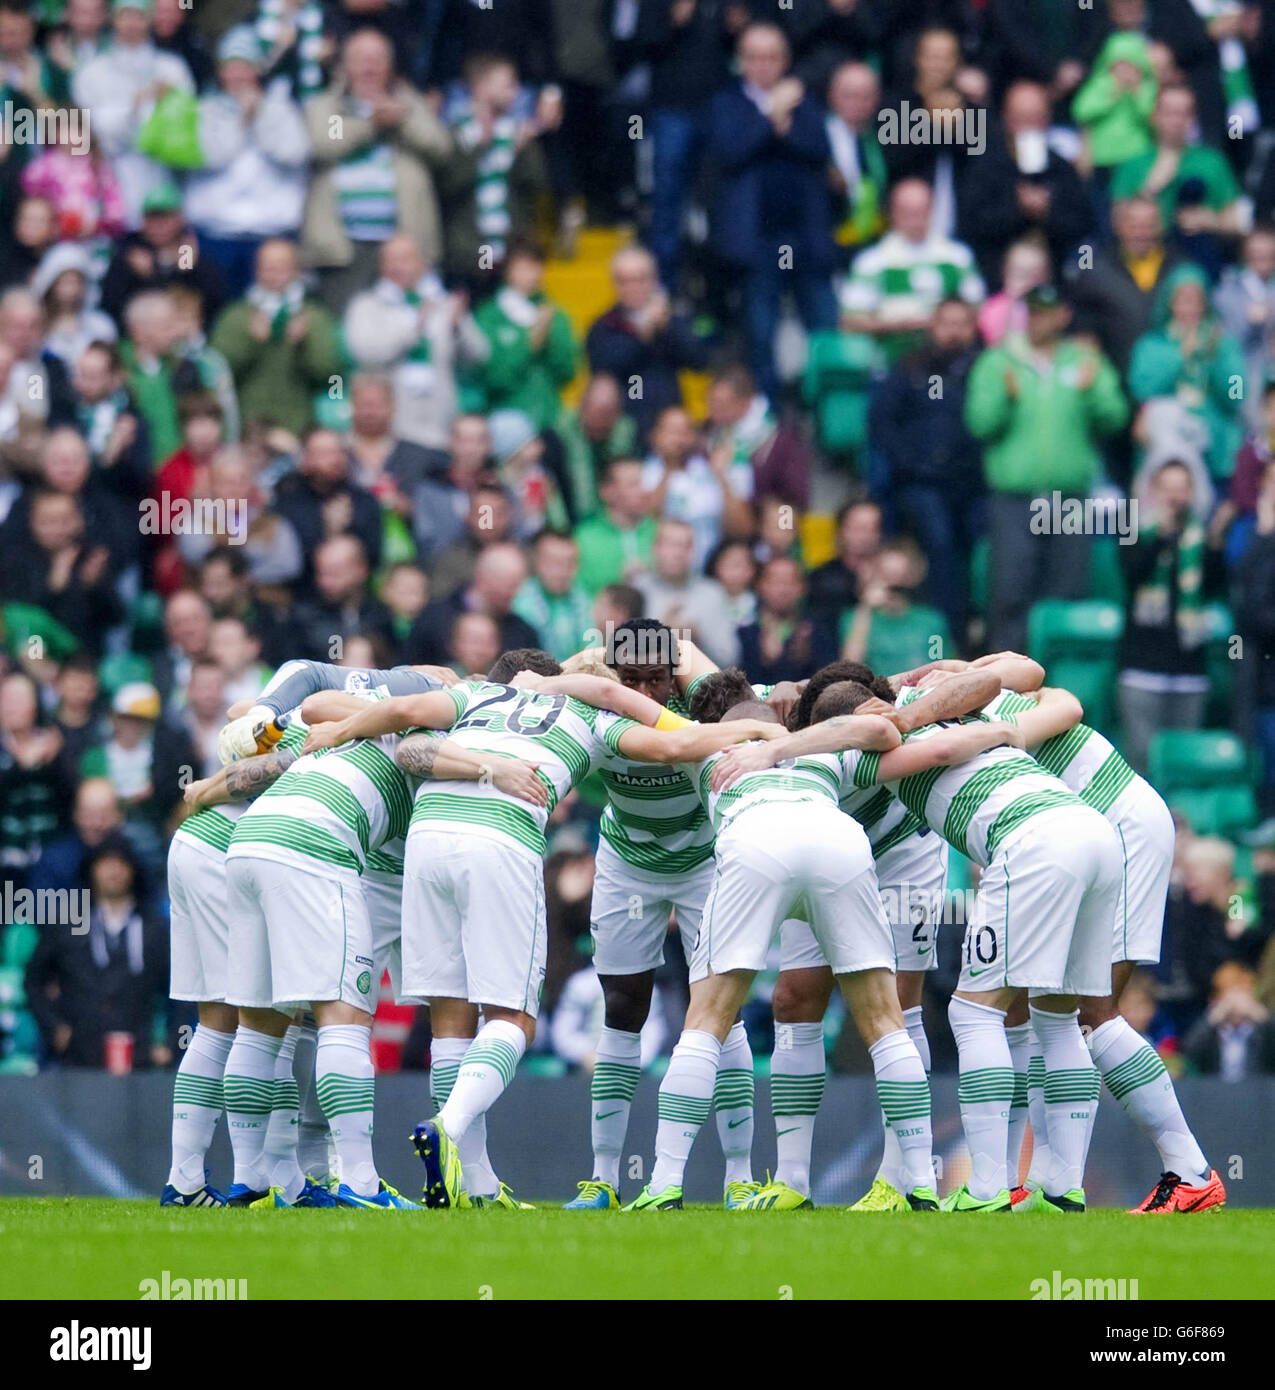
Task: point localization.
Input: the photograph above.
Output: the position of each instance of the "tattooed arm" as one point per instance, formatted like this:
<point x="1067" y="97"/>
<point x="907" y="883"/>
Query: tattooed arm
<point x="241" y="781"/>
<point x="428" y="755"/>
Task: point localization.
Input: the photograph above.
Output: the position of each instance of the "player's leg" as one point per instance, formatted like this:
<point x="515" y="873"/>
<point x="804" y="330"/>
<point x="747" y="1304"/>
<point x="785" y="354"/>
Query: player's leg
<point x="1028" y="1071"/>
<point x="312" y="1124"/>
<point x="199" y="933"/>
<point x="798" y="1065"/>
<point x="248" y="1084"/>
<point x="498" y="893"/>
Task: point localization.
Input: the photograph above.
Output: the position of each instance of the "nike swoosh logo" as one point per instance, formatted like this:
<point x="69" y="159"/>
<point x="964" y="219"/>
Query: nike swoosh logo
<point x="779" y="1133"/>
<point x="974" y="974"/>
<point x="606" y="1115"/>
<point x="735" y="1124"/>
<point x="921" y="950"/>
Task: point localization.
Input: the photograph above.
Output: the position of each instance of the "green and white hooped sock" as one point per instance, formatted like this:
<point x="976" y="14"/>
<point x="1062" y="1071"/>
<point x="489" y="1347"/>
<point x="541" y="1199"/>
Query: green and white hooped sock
<point x="1072" y="1084"/>
<point x="197" y="1105"/>
<point x="985" y="1092"/>
<point x="904" y="1094"/>
<point x="486" y="1070"/>
<point x="479" y="1178"/>
<point x="1137" y="1078"/>
<point x="248" y="1088"/>
<point x="798" y="1071"/>
<point x="279" y="1152"/>
<point x="1020" y="1046"/>
<point x="892" y="1167"/>
<point x="346" y="1088"/>
<point x="733" y="1095"/>
<point x="686" y="1095"/>
<point x="617" y="1067"/>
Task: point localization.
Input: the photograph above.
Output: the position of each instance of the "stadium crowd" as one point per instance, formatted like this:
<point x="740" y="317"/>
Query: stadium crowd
<point x="283" y="373"/>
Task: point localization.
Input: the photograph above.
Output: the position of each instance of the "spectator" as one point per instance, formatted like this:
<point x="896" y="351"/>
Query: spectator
<point x="442" y="500"/>
<point x="686" y="46"/>
<point x="164" y="251"/>
<point x="153" y="370"/>
<point x="1235" y="1040"/>
<point x="641" y="342"/>
<point x="473" y="644"/>
<point x="174" y="33"/>
<point x="144" y="759"/>
<point x="684" y="600"/>
<point x="1245" y="303"/>
<point x="342" y="604"/>
<point x="34" y="232"/>
<point x="615" y="542"/>
<point x="202" y="427"/>
<point x="107" y="417"/>
<point x="84" y="35"/>
<point x="490" y="182"/>
<point x="773" y="220"/>
<point x="781" y="643"/>
<point x="1026" y="267"/>
<point x="895" y="286"/>
<point x="35" y="389"/>
<point x="373" y="140"/>
<point x="35" y="781"/>
<point x="294" y="48"/>
<point x="740" y="420"/>
<point x="225" y="585"/>
<point x="95" y="818"/>
<point x="187" y="628"/>
<point x="1022" y="185"/>
<point x="1113" y="106"/>
<point x="525" y="466"/>
<point x="57" y="567"/>
<point x="112" y="979"/>
<point x="207" y="697"/>
<point x="489" y="522"/>
<point x="1193" y="184"/>
<point x="320" y="501"/>
<point x="1170" y="570"/>
<point x="593" y="435"/>
<point x="712" y="494"/>
<point x="237" y="653"/>
<point x="405" y="593"/>
<point x="79" y="186"/>
<point x="255" y="147"/>
<point x="1187" y="356"/>
<point x="888" y="630"/>
<point x="931" y="461"/>
<point x="1014" y="389"/>
<point x="835" y="585"/>
<point x="616" y="605"/>
<point x="532" y="350"/>
<point x="408" y="326"/>
<point x="76" y="715"/>
<point x="858" y="173"/>
<point x="280" y="343"/>
<point x="552" y="600"/>
<point x="61" y="282"/>
<point x="1114" y="300"/>
<point x="734" y="567"/>
<point x="122" y="87"/>
<point x="232" y="496"/>
<point x="499" y="574"/>
<point x="389" y="467"/>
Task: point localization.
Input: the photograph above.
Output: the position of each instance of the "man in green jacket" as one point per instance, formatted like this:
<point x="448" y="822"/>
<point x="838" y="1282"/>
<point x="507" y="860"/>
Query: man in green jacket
<point x="1040" y="403"/>
<point x="533" y="351"/>
<point x="593" y="434"/>
<point x="280" y="343"/>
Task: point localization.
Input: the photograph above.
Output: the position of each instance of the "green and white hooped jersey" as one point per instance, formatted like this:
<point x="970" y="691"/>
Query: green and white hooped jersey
<point x="654" y="818"/>
<point x="814" y="778"/>
<point x="348" y="807"/>
<point x="565" y="738"/>
<point x="1082" y="759"/>
<point x="885" y="819"/>
<point x="213" y="826"/>
<point x="975" y="804"/>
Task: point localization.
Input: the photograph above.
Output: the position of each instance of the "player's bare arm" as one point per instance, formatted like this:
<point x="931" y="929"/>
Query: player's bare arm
<point x="434" y="709"/>
<point x="428" y="755"/>
<point x="956" y="694"/>
<point x="1056" y="711"/>
<point x="866" y="732"/>
<point x="694" y="743"/>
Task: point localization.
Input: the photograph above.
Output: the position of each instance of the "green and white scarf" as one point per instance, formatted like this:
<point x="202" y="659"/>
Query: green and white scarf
<point x="97" y="420"/>
<point x="1237" y="82"/>
<point x="1152" y="603"/>
<point x="272" y="17"/>
<point x="278" y="308"/>
<point x="491" y="193"/>
<point x="367" y="192"/>
<point x="426" y="291"/>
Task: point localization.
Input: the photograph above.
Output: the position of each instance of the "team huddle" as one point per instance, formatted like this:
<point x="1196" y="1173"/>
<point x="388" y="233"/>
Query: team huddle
<point x="374" y="821"/>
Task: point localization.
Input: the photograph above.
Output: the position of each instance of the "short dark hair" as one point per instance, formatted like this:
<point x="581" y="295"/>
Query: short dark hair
<point x="832" y="674"/>
<point x="646" y="639"/>
<point x="752" y="709"/>
<point x="843" y="697"/>
<point x="714" y="694"/>
<point x="199" y="403"/>
<point x="626" y="598"/>
<point x="516" y="659"/>
<point x="229" y="555"/>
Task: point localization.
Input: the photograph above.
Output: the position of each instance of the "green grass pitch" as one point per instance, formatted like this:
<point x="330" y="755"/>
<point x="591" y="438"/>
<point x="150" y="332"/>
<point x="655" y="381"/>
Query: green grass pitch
<point x="84" y="1248"/>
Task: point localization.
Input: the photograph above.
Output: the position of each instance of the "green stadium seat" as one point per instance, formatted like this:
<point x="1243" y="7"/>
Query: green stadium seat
<point x="1078" y="642"/>
<point x="980" y="572"/>
<point x="1218" y="662"/>
<point x="1206" y="775"/>
<point x="146" y="617"/>
<point x="12" y="993"/>
<point x="542" y="1064"/>
<point x="1106" y="578"/>
<point x="839" y="369"/>
<point x="20" y="940"/>
<point x="122" y="668"/>
<point x="18" y="1064"/>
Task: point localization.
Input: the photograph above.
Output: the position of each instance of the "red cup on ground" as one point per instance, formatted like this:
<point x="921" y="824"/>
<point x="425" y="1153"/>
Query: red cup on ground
<point x="119" y="1053"/>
